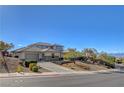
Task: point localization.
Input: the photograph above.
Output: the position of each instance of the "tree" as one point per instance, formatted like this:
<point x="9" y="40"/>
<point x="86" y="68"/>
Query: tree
<point x="4" y="47"/>
<point x="122" y="60"/>
<point x="108" y="59"/>
<point x="90" y="52"/>
<point x="119" y="60"/>
<point x="71" y="49"/>
<point x="105" y="57"/>
<point x="71" y="54"/>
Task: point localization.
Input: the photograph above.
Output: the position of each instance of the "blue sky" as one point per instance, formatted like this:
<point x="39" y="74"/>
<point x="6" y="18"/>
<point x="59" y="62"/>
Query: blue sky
<point x="100" y="27"/>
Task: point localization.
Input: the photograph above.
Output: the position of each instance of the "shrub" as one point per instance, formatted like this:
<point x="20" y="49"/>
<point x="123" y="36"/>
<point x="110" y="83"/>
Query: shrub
<point x="109" y="65"/>
<point x="21" y="63"/>
<point x="28" y="62"/>
<point x="31" y="65"/>
<point x="19" y="69"/>
<point x="1" y="59"/>
<point x="35" y="68"/>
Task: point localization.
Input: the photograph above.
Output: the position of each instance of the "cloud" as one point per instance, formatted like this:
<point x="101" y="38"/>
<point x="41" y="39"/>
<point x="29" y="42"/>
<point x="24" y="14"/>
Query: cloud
<point x="20" y="45"/>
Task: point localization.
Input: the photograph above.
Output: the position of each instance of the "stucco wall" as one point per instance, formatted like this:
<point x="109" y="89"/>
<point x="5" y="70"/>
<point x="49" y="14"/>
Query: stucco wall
<point x="21" y="55"/>
<point x="47" y="55"/>
<point x="50" y="54"/>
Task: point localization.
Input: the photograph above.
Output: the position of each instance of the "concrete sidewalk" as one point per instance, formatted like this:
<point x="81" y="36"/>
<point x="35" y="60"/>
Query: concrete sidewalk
<point x="89" y="72"/>
<point x="7" y="75"/>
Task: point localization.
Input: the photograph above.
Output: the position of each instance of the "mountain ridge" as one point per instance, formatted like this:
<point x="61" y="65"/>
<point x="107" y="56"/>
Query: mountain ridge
<point x="117" y="54"/>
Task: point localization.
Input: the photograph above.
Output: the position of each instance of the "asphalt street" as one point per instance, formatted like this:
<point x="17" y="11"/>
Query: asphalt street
<point x="94" y="80"/>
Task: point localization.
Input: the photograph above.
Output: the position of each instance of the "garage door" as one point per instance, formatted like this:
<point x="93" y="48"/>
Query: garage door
<point x="32" y="56"/>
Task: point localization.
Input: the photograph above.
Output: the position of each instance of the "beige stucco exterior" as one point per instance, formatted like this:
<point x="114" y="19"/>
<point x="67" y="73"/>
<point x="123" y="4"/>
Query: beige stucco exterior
<point x="21" y="55"/>
<point x="37" y="55"/>
<point x="38" y="52"/>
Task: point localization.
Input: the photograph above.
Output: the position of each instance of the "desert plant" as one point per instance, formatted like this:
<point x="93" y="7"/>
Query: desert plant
<point x="72" y="54"/>
<point x="31" y="65"/>
<point x="90" y="52"/>
<point x="19" y="69"/>
<point x="1" y="59"/>
<point x="35" y="68"/>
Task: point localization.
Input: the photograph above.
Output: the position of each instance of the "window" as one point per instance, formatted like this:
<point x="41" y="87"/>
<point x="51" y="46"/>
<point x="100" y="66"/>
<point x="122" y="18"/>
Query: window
<point x="46" y="46"/>
<point x="59" y="48"/>
<point x="53" y="56"/>
<point x="52" y="47"/>
<point x="43" y="54"/>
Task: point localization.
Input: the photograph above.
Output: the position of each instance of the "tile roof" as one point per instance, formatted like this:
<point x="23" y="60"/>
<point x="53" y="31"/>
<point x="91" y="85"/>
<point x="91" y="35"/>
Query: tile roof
<point x="35" y="49"/>
<point x="41" y="43"/>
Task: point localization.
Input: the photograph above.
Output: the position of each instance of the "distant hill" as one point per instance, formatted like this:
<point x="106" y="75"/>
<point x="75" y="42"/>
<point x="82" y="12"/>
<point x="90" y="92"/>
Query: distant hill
<point x="117" y="54"/>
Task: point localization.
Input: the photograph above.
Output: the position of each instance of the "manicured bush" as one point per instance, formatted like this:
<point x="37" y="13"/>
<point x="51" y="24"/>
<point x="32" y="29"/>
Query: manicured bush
<point x="19" y="69"/>
<point x="29" y="62"/>
<point x="31" y="65"/>
<point x="35" y="68"/>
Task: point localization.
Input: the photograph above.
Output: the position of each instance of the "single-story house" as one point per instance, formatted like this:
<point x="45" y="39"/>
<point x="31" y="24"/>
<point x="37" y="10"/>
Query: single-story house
<point x="40" y="52"/>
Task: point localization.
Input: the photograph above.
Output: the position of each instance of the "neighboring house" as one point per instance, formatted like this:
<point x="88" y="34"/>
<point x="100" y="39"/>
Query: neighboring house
<point x="40" y="52"/>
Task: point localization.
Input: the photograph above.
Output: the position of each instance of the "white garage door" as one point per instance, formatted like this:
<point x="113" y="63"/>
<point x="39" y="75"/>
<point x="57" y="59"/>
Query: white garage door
<point x="32" y="56"/>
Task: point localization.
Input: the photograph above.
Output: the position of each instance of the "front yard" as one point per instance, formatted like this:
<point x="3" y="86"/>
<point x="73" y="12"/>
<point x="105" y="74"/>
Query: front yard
<point x="13" y="63"/>
<point x="79" y="66"/>
<point x="76" y="66"/>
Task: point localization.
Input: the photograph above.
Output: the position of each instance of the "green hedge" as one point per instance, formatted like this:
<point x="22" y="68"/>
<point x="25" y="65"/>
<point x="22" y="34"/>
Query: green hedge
<point x="35" y="68"/>
<point x="31" y="65"/>
<point x="19" y="69"/>
<point x="29" y="62"/>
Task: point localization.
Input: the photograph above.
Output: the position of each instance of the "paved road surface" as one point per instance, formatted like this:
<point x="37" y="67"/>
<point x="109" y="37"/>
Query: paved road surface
<point x="95" y="80"/>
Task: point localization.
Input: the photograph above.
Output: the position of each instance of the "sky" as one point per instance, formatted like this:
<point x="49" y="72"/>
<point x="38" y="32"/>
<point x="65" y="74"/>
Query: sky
<point x="99" y="27"/>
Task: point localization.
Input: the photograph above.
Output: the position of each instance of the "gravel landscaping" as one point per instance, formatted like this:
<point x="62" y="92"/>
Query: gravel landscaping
<point x="79" y="66"/>
<point x="13" y="63"/>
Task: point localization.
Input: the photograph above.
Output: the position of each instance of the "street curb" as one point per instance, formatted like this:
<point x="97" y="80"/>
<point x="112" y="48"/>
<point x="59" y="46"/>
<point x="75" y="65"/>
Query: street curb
<point x="29" y="76"/>
<point x="59" y="74"/>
